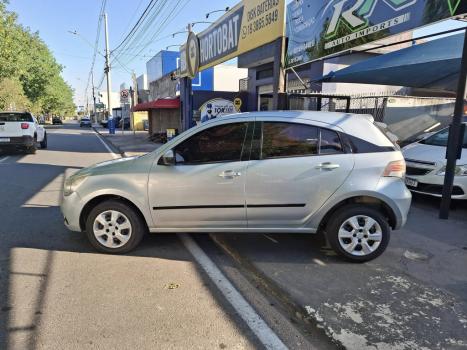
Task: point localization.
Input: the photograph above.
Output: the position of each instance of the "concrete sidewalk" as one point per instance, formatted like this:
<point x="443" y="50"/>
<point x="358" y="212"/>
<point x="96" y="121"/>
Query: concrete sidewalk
<point x="127" y="143"/>
<point x="412" y="297"/>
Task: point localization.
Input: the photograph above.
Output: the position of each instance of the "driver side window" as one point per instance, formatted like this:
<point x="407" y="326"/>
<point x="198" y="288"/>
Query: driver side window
<point x="222" y="143"/>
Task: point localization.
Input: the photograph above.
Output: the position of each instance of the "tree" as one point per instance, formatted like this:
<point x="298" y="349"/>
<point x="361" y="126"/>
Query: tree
<point x="28" y="66"/>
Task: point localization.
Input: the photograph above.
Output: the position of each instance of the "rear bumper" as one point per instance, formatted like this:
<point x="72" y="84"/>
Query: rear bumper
<point x="17" y="142"/>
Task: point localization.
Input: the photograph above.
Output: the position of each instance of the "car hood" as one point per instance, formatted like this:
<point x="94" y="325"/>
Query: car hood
<point x="429" y="153"/>
<point x="110" y="166"/>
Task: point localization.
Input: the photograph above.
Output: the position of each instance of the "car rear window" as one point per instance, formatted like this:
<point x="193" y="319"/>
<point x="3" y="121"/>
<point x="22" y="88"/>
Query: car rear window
<point x="15" y="117"/>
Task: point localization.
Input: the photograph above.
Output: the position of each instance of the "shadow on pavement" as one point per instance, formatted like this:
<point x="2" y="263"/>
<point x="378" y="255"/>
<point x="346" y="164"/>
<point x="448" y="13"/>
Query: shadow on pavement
<point x="34" y="250"/>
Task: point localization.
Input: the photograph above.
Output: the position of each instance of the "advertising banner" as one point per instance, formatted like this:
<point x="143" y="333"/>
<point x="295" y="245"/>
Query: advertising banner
<point x="248" y="25"/>
<point x="217" y="107"/>
<point x="319" y="28"/>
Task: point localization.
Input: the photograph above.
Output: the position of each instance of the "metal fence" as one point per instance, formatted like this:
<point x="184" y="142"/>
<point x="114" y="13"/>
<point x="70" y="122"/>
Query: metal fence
<point x="374" y="105"/>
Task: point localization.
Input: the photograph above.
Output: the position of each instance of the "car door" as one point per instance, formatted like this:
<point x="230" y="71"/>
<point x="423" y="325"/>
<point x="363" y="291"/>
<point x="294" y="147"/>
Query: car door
<point x="205" y="187"/>
<point x="294" y="168"/>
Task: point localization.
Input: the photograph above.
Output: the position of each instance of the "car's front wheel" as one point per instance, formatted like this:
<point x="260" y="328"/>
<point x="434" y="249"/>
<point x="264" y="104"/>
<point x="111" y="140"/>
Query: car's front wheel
<point x="358" y="233"/>
<point x="114" y="227"/>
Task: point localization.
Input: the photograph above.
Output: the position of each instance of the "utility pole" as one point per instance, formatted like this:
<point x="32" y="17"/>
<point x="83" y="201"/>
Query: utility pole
<point x="94" y="97"/>
<point x="134" y="97"/>
<point x="107" y="68"/>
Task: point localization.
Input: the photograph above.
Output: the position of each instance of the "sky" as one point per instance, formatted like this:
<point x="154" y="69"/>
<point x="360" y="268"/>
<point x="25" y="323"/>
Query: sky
<point x="53" y="19"/>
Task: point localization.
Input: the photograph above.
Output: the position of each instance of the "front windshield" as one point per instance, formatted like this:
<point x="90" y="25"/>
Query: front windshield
<point x="441" y="139"/>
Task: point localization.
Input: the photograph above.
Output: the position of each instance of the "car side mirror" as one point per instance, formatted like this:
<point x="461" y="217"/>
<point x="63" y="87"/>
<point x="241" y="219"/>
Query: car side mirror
<point x="168" y="158"/>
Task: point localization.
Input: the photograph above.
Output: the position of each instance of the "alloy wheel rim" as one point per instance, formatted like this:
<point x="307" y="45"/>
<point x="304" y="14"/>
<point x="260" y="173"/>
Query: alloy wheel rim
<point x="112" y="229"/>
<point x="360" y="235"/>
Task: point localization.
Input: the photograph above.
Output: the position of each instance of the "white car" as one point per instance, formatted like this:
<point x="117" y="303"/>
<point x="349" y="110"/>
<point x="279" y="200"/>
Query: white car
<point x="426" y="166"/>
<point x="21" y="131"/>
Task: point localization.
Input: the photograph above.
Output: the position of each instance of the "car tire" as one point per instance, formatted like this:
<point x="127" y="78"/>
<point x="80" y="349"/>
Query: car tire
<point x="31" y="149"/>
<point x="97" y="233"/>
<point x="358" y="233"/>
<point x="44" y="142"/>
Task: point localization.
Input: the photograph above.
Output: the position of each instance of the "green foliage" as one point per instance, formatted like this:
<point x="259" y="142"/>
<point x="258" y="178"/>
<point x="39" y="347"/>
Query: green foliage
<point x="29" y="68"/>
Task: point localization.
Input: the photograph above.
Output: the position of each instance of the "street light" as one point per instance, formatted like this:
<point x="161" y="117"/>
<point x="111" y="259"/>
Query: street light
<point x="224" y="10"/>
<point x="167" y="47"/>
<point x="74" y="32"/>
<point x="181" y="32"/>
<point x="193" y="23"/>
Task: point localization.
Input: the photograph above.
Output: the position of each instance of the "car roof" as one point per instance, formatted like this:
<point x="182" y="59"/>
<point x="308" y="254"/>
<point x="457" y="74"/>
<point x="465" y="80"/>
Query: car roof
<point x="333" y="118"/>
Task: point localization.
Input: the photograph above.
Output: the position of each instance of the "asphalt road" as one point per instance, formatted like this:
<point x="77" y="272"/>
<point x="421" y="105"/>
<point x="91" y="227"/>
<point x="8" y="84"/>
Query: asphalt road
<point x="57" y="293"/>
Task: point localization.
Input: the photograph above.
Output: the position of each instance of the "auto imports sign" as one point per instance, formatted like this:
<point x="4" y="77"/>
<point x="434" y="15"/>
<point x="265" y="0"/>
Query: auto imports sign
<point x="319" y="28"/>
<point x="248" y="25"/>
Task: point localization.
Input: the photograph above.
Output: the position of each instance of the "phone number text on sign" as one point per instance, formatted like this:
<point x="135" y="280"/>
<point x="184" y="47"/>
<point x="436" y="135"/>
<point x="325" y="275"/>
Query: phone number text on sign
<point x="261" y="16"/>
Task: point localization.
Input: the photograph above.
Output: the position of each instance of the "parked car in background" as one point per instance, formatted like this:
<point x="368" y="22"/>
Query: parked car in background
<point x="426" y="165"/>
<point x="284" y="172"/>
<point x="85" y="121"/>
<point x="21" y="131"/>
<point x="57" y="120"/>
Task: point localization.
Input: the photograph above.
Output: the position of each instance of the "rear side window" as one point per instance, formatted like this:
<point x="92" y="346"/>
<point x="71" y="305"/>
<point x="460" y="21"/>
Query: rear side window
<point x="289" y="140"/>
<point x="330" y="142"/>
<point x="223" y="143"/>
<point x="15" y="117"/>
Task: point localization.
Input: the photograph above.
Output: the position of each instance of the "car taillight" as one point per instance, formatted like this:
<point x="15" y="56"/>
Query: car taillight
<point x="395" y="169"/>
<point x="24" y="126"/>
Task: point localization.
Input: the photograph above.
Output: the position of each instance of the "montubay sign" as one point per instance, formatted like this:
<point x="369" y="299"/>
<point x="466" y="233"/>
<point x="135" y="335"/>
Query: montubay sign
<point x="319" y="28"/>
<point x="248" y="25"/>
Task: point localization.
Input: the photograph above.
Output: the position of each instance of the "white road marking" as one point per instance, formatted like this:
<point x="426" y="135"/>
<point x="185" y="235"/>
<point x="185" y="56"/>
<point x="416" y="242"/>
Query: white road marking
<point x="114" y="155"/>
<point x="4" y="158"/>
<point x="265" y="334"/>
<point x="319" y="262"/>
<point x="270" y="238"/>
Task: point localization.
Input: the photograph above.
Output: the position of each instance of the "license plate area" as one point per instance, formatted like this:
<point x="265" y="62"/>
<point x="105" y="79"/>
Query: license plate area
<point x="411" y="182"/>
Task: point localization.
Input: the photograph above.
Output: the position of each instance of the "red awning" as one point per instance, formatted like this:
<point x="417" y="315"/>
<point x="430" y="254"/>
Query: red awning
<point x="162" y="103"/>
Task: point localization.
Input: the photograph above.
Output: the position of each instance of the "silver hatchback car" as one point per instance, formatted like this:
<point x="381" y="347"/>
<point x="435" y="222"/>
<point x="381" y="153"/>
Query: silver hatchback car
<point x="276" y="172"/>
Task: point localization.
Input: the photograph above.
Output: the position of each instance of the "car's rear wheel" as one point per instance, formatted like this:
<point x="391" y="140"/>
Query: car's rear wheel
<point x="44" y="142"/>
<point x="31" y="149"/>
<point x="114" y="227"/>
<point x="358" y="233"/>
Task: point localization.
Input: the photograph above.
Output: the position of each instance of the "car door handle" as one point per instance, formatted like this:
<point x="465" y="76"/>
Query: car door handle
<point x="229" y="174"/>
<point x="327" y="166"/>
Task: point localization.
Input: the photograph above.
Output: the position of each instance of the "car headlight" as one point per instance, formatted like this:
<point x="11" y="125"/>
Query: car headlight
<point x="460" y="170"/>
<point x="72" y="183"/>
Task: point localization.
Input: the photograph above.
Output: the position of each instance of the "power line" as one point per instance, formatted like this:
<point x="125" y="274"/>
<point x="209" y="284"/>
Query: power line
<point x="96" y="44"/>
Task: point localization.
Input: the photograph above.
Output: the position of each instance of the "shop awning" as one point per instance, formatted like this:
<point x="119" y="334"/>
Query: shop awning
<point x="162" y="103"/>
<point x="431" y="65"/>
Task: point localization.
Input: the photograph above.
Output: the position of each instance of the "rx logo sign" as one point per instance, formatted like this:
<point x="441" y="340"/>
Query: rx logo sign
<point x="356" y="16"/>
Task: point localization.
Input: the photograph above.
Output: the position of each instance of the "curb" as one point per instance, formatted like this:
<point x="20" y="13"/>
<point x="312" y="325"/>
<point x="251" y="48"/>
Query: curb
<point x="307" y="324"/>
<point x="105" y="139"/>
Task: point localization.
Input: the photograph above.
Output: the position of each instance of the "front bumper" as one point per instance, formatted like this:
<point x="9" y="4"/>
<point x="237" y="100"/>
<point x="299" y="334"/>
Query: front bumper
<point x="18" y="142"/>
<point x="71" y="208"/>
<point x="432" y="185"/>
